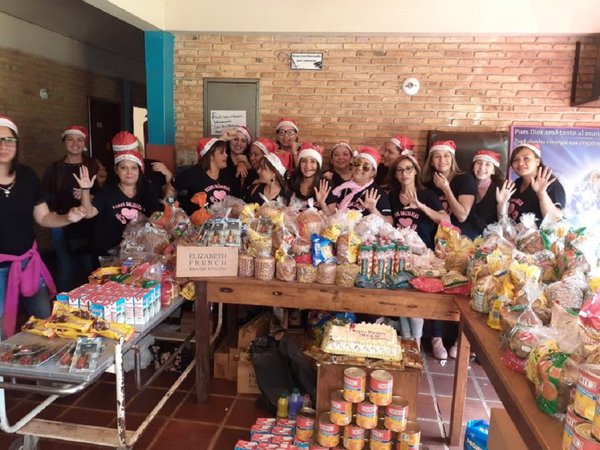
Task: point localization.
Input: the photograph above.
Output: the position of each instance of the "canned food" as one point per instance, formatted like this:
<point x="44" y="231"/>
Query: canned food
<point x="571" y="419"/>
<point x="328" y="433"/>
<point x="596" y="421"/>
<point x="354" y="437"/>
<point x="381" y="384"/>
<point x="410" y="437"/>
<point x="396" y="414"/>
<point x="355" y="383"/>
<point x="340" y="410"/>
<point x="381" y="438"/>
<point x="583" y="439"/>
<point x="586" y="393"/>
<point x="366" y="415"/>
<point x="305" y="424"/>
<point x="314" y="445"/>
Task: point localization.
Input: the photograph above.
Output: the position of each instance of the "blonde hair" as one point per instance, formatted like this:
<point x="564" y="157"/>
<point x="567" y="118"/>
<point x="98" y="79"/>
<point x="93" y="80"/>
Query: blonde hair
<point x="427" y="172"/>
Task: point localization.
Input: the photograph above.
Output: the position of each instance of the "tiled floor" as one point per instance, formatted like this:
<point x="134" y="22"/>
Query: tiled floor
<point x="227" y="417"/>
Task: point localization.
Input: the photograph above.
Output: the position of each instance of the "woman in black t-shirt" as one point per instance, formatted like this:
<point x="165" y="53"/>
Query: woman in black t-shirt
<point x="258" y="149"/>
<point x="340" y="164"/>
<point x="208" y="175"/>
<point x="239" y="141"/>
<point x="536" y="190"/>
<point x="120" y="202"/>
<point x="271" y="185"/>
<point x="307" y="181"/>
<point x="455" y="189"/>
<point x="392" y="149"/>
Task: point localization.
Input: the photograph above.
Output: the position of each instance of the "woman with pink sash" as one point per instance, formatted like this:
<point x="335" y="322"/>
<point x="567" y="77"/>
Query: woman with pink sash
<point x="24" y="279"/>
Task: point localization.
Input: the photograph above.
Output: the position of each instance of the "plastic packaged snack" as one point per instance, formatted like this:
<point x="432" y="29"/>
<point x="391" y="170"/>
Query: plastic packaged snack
<point x="326" y="273"/>
<point x="306" y="273"/>
<point x="286" y="268"/>
<point x="86" y="355"/>
<point x="322" y="250"/>
<point x="264" y="268"/>
<point x="345" y="274"/>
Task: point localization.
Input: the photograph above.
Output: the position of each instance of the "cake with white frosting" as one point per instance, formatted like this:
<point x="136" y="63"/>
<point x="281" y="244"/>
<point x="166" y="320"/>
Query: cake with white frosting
<point x="369" y="340"/>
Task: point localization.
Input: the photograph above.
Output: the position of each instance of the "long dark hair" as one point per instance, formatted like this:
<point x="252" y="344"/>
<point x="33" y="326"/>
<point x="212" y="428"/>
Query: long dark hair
<point x="265" y="163"/>
<point x="15" y="162"/>
<point x="205" y="160"/>
<point x="297" y="178"/>
<point x="393" y="182"/>
<point x="516" y="150"/>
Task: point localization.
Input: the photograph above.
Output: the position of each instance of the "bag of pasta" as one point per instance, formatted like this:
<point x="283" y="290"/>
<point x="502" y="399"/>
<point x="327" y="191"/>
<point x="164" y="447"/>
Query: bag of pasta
<point x="484" y="292"/>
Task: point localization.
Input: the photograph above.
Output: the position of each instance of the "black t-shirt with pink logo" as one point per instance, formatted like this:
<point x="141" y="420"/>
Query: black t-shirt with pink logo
<point x="194" y="180"/>
<point x="463" y="184"/>
<point x="527" y="201"/>
<point x="115" y="211"/>
<point x="414" y="218"/>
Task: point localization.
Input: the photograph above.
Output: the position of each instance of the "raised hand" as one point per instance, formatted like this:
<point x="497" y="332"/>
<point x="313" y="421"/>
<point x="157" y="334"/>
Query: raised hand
<point x="505" y="192"/>
<point x="322" y="192"/>
<point x="83" y="179"/>
<point x="542" y="180"/>
<point x="369" y="202"/>
<point x="159" y="167"/>
<point x="411" y="196"/>
<point x="241" y="170"/>
<point x="441" y="182"/>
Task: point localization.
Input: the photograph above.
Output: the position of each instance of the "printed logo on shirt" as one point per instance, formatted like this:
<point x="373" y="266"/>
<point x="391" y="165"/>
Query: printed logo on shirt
<point x="126" y="211"/>
<point x="444" y="202"/>
<point x="217" y="192"/>
<point x="514" y="208"/>
<point x="407" y="219"/>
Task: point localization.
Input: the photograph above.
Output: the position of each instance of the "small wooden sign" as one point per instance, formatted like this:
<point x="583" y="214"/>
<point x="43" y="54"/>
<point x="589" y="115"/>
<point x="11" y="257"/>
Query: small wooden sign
<point x="206" y="262"/>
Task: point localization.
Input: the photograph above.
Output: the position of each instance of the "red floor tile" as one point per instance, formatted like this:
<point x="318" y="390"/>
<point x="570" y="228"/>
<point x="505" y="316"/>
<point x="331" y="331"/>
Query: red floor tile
<point x="442" y="384"/>
<point x="150" y="433"/>
<point x="431" y="434"/>
<point x="426" y="407"/>
<point x="179" y="434"/>
<point x="219" y="386"/>
<point x="147" y="399"/>
<point x="99" y="396"/>
<point x="88" y="417"/>
<point x="213" y="411"/>
<point x="244" y="413"/>
<point x="489" y="393"/>
<point x="474" y="409"/>
<point x="229" y="436"/>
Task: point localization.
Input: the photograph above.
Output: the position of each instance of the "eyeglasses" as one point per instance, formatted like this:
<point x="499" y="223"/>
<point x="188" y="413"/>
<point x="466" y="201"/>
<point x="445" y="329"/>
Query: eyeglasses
<point x="9" y="141"/>
<point x="407" y="170"/>
<point x="365" y="166"/>
<point x="286" y="132"/>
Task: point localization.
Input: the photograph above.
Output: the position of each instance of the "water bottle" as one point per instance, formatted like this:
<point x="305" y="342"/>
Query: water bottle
<point x="282" y="406"/>
<point x="294" y="403"/>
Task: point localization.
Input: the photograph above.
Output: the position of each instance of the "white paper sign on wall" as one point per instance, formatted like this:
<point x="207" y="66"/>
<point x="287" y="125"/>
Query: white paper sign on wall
<point x="220" y="120"/>
<point x="306" y="61"/>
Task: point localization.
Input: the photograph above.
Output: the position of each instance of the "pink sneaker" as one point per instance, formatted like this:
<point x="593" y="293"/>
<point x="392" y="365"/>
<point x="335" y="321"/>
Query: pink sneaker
<point x="453" y="352"/>
<point x="439" y="352"/>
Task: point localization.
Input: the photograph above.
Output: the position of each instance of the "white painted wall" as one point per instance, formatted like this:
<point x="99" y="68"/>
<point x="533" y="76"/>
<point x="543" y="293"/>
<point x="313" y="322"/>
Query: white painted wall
<point x="28" y="38"/>
<point x="373" y="16"/>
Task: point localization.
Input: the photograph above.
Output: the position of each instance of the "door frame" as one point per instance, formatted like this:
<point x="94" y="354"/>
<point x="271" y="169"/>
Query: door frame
<point x="92" y="98"/>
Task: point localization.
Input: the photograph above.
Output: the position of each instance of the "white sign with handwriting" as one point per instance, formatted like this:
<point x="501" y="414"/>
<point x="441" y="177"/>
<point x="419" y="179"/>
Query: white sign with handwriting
<point x="306" y="61"/>
<point x="220" y="120"/>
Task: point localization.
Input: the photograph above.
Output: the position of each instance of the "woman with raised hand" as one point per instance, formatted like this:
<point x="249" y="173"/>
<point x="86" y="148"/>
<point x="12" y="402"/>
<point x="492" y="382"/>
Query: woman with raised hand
<point x="392" y="149"/>
<point x="308" y="182"/>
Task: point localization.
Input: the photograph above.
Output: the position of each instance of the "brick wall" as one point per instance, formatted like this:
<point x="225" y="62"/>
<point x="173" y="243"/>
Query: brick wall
<point x="467" y="83"/>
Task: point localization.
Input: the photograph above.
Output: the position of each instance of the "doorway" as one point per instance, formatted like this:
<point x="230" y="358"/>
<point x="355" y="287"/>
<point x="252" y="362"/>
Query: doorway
<point x="105" y="122"/>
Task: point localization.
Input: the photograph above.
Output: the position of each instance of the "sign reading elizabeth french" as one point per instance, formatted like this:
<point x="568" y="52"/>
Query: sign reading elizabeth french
<point x="205" y="262"/>
<point x="574" y="156"/>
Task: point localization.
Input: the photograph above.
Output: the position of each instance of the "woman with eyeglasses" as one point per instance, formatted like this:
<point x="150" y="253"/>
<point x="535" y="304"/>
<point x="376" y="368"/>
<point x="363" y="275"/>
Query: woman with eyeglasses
<point x="208" y="175"/>
<point x="307" y="182"/>
<point x="392" y="149"/>
<point x="455" y="189"/>
<point x="71" y="243"/>
<point x="271" y="184"/>
<point x="537" y="191"/>
<point x="361" y="192"/>
<point x="287" y="141"/>
<point x="340" y="161"/>
<point x="24" y="279"/>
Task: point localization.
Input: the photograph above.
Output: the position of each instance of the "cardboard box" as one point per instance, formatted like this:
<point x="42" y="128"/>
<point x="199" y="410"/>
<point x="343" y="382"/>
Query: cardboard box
<point x="246" y="378"/>
<point x="221" y="362"/>
<point x="258" y="326"/>
<point x="206" y="262"/>
<point x="234" y="358"/>
<point x="502" y="434"/>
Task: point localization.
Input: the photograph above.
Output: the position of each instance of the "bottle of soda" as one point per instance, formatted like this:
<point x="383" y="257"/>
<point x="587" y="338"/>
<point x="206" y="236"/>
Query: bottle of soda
<point x="294" y="403"/>
<point x="282" y="406"/>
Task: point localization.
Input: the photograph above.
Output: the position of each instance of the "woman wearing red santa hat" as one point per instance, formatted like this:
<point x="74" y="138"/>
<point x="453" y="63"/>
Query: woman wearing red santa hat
<point x="361" y="193"/>
<point x="536" y="190"/>
<point x="392" y="149"/>
<point x="239" y="140"/>
<point x="287" y="140"/>
<point x="340" y="161"/>
<point x="24" y="279"/>
<point x="208" y="175"/>
<point x="307" y="181"/>
<point x="258" y="149"/>
<point x="71" y="243"/>
<point x="455" y="189"/>
<point x="120" y="202"/>
<point x="271" y="184"/>
<point x="493" y="191"/>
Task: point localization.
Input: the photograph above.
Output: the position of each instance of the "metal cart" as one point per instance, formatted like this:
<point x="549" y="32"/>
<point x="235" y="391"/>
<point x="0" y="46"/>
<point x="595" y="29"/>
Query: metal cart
<point x="53" y="381"/>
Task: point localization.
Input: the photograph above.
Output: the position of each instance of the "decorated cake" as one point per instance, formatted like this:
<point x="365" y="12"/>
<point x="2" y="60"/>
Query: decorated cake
<point x="369" y="340"/>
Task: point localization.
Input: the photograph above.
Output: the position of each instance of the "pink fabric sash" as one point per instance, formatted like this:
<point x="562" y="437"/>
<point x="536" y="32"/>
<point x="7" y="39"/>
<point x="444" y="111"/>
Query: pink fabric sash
<point x="23" y="281"/>
<point x="354" y="189"/>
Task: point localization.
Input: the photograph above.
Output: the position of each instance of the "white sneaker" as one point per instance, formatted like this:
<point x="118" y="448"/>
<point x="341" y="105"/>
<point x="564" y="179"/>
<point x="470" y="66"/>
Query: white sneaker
<point x="439" y="352"/>
<point x="453" y="352"/>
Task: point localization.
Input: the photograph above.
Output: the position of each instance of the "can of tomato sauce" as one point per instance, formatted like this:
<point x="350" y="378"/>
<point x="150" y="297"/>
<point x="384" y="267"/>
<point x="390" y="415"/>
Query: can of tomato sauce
<point x="355" y="383"/>
<point x="583" y="439"/>
<point x="354" y="437"/>
<point x="396" y="414"/>
<point x="410" y="438"/>
<point x="586" y="393"/>
<point x="328" y="433"/>
<point x="381" y="385"/>
<point x="314" y="445"/>
<point x="305" y="424"/>
<point x="381" y="438"/>
<point x="366" y="415"/>
<point x="340" y="411"/>
<point x="571" y="420"/>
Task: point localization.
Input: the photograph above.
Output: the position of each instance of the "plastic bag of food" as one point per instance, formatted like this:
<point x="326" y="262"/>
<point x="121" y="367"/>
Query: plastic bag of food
<point x="427" y="284"/>
<point x="546" y="344"/>
<point x="589" y="318"/>
<point x="529" y="239"/>
<point x="322" y="250"/>
<point x="484" y="292"/>
<point x="310" y="221"/>
<point x="553" y="390"/>
<point x="347" y="248"/>
<point x="286" y="265"/>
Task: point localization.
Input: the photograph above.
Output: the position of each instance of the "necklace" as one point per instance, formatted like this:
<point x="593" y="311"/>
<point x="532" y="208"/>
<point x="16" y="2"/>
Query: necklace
<point x="7" y="189"/>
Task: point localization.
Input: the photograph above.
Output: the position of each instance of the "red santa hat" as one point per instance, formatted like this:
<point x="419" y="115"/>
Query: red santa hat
<point x="246" y="132"/>
<point x="266" y="145"/>
<point x="286" y="122"/>
<point x="371" y="155"/>
<point x="124" y="141"/>
<point x="411" y="156"/>
<point x="8" y="123"/>
<point x="76" y="130"/>
<point x="403" y="142"/>
<point x="534" y="147"/>
<point x="446" y="146"/>
<point x="487" y="156"/>
<point x="130" y="155"/>
<point x="205" y="144"/>
<point x="276" y="162"/>
<point x="308" y="149"/>
<point x="344" y="144"/>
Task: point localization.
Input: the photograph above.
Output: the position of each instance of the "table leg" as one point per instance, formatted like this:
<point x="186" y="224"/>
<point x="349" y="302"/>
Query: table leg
<point x="202" y="342"/>
<point x="460" y="387"/>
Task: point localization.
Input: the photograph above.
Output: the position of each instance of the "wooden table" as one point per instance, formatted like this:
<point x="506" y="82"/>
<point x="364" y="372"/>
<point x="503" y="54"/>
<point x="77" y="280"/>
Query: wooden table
<point x="538" y="430"/>
<point x="381" y="302"/>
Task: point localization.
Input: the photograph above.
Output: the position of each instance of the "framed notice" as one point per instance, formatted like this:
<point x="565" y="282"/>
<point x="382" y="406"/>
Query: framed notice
<point x="306" y="61"/>
<point x="574" y="156"/>
<point x="220" y="120"/>
<point x="206" y="262"/>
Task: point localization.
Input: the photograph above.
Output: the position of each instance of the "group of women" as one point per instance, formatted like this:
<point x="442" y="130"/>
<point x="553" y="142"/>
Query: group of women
<point x="389" y="183"/>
